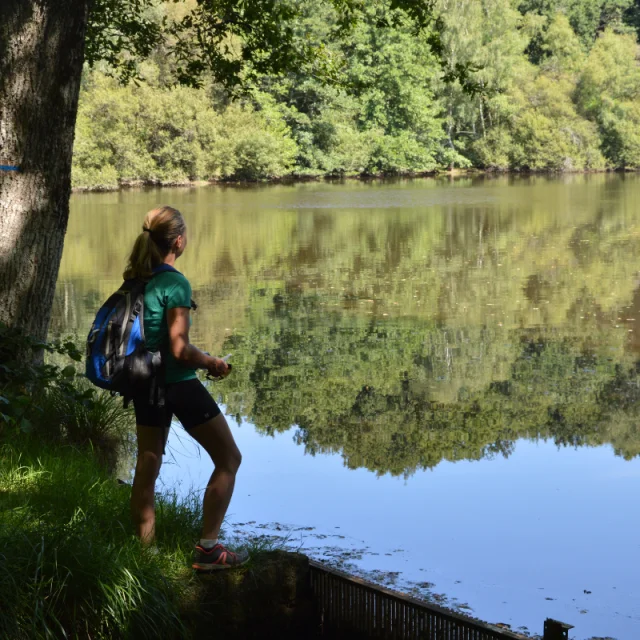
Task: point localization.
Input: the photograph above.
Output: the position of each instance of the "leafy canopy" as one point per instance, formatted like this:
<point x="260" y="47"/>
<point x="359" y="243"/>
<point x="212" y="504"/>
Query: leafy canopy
<point x="230" y="41"/>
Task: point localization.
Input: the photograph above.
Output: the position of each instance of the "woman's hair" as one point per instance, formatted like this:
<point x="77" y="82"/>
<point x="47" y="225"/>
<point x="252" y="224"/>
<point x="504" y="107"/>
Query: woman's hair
<point x="160" y="229"/>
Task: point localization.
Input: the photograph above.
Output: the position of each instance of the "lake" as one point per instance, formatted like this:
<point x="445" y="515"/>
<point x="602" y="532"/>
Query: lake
<point x="436" y="382"/>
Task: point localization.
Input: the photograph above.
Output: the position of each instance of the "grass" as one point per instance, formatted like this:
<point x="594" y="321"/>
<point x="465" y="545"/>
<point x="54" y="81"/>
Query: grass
<point x="69" y="564"/>
<point x="100" y="424"/>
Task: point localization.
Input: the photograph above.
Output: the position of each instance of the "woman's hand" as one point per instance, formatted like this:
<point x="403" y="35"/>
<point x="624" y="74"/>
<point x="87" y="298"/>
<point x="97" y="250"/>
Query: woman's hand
<point x="218" y="368"/>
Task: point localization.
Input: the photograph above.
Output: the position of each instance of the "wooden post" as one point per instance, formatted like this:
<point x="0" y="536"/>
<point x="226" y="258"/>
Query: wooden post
<point x="556" y="630"/>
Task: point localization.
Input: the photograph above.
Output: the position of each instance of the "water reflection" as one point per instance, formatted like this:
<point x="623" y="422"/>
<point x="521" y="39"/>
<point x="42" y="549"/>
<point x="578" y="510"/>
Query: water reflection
<point x="400" y="395"/>
<point x="630" y="319"/>
<point x="403" y="324"/>
<point x="402" y="327"/>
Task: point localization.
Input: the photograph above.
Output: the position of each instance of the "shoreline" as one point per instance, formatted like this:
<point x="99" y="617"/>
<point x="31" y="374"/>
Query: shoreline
<point x="293" y="179"/>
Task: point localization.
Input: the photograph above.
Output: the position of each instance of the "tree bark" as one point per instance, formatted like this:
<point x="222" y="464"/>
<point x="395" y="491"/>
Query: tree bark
<point x="41" y="57"/>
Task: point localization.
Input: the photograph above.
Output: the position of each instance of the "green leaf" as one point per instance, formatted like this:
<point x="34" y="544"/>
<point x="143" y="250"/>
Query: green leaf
<point x="73" y="351"/>
<point x="26" y="426"/>
<point x="68" y="372"/>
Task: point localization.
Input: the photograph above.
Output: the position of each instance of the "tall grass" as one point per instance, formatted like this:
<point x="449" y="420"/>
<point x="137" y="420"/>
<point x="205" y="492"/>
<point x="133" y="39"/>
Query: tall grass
<point x="100" y="423"/>
<point x="69" y="565"/>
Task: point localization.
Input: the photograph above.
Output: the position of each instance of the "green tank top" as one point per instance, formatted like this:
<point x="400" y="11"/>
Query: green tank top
<point x="166" y="290"/>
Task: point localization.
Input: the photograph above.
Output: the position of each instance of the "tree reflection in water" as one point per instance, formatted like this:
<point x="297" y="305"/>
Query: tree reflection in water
<point x="397" y="395"/>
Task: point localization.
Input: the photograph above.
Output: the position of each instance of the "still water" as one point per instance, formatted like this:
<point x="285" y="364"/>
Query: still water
<point x="435" y="381"/>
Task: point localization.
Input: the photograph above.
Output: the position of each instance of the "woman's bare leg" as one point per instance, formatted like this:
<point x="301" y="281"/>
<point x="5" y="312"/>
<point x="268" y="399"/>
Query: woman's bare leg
<point x="216" y="439"/>
<point x="151" y="441"/>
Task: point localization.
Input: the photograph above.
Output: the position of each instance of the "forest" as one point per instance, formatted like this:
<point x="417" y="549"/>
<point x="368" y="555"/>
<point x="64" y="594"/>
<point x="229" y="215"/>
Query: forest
<point x="507" y="85"/>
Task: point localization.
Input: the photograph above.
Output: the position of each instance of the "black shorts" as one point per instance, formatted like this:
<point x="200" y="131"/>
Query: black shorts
<point x="188" y="400"/>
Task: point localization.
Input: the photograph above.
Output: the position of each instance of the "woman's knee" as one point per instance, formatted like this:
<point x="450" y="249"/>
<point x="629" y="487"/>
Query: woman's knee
<point x="148" y="464"/>
<point x="151" y="442"/>
<point x="237" y="457"/>
<point x="216" y="439"/>
<point x="229" y="462"/>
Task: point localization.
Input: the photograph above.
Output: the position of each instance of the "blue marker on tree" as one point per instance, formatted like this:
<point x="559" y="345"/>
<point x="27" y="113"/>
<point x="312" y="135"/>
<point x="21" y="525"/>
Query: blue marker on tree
<point x="9" y="167"/>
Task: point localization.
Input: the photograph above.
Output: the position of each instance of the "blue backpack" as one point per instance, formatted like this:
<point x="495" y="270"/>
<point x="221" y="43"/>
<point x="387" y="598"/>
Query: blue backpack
<point x="116" y="357"/>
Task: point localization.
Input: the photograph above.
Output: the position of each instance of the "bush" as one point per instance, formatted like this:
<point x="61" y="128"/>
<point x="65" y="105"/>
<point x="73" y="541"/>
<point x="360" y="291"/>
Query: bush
<point x="400" y="153"/>
<point x="52" y="402"/>
<point x="103" y="178"/>
<point x="608" y="93"/>
<point x="545" y="133"/>
<point x="261" y="145"/>
<point x="174" y="135"/>
<point x="70" y="566"/>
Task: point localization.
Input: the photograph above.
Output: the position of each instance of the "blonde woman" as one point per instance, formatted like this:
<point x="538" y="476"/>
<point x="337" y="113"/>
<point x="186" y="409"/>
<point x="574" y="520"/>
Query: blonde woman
<point x="167" y="305"/>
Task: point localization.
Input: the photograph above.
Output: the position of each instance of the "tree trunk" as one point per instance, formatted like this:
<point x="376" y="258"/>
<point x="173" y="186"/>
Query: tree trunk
<point x="41" y="56"/>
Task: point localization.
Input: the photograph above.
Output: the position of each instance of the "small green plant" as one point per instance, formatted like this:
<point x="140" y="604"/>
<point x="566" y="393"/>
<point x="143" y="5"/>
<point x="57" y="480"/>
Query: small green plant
<point x="37" y="395"/>
<point x="25" y="377"/>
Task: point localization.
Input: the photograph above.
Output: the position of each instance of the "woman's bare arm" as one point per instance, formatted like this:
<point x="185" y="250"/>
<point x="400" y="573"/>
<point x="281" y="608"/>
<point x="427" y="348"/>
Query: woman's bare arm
<point x="183" y="351"/>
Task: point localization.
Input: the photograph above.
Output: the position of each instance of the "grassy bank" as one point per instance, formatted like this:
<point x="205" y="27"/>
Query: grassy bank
<point x="70" y="566"/>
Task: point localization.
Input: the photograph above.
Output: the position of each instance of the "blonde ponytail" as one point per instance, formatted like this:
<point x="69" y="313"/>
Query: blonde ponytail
<point x="160" y="229"/>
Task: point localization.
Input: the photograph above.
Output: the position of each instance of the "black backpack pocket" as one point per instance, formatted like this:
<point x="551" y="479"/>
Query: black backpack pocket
<point x="140" y="368"/>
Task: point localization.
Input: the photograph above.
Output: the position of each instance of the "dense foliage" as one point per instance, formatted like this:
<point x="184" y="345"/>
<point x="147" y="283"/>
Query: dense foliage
<point x="47" y="399"/>
<point x="70" y="566"/>
<point x="548" y="85"/>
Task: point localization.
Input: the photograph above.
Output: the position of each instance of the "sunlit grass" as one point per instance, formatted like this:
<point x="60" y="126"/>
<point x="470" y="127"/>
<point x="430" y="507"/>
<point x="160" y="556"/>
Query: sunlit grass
<point x="69" y="564"/>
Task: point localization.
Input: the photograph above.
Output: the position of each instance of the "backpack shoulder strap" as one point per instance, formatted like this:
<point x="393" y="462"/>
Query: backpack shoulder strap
<point x="136" y="291"/>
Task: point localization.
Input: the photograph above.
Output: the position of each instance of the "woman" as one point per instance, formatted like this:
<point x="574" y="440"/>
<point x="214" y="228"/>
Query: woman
<point x="167" y="303"/>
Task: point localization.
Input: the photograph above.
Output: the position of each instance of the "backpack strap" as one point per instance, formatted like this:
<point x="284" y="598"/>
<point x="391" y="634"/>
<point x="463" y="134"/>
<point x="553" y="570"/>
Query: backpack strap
<point x="136" y="293"/>
<point x="157" y="386"/>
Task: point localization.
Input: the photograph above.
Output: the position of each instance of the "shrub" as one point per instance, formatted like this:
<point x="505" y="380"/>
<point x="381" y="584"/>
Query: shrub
<point x="173" y="135"/>
<point x="53" y="402"/>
